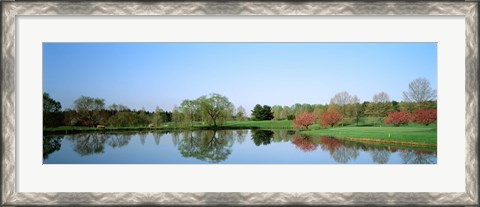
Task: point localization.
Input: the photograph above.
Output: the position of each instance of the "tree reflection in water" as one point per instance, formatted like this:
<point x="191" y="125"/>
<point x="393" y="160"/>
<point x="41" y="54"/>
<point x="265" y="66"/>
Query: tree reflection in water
<point x="380" y="155"/>
<point x="241" y="135"/>
<point x="330" y="144"/>
<point x="143" y="137"/>
<point x="206" y="145"/>
<point x="94" y="143"/>
<point x="281" y="135"/>
<point x="262" y="137"/>
<point x="156" y="137"/>
<point x="119" y="140"/>
<point x="86" y="144"/>
<point x="304" y="143"/>
<point x="216" y="146"/>
<point x="417" y="157"/>
<point x="51" y="144"/>
<point x="338" y="150"/>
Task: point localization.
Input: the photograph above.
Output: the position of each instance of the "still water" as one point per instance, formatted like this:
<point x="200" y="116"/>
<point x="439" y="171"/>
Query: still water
<point x="223" y="146"/>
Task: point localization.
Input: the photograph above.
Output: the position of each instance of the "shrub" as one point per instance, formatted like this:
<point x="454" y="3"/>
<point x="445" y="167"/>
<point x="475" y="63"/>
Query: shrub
<point x="397" y="118"/>
<point x="424" y="116"/>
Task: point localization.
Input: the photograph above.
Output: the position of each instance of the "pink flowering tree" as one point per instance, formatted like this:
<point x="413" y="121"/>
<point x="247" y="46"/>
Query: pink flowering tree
<point x="304" y="120"/>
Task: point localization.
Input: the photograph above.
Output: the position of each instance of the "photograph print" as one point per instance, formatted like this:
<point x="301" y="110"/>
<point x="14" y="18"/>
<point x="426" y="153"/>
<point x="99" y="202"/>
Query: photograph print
<point x="239" y="103"/>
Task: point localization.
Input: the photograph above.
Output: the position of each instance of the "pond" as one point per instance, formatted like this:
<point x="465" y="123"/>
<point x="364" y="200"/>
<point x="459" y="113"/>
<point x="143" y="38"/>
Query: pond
<point x="223" y="146"/>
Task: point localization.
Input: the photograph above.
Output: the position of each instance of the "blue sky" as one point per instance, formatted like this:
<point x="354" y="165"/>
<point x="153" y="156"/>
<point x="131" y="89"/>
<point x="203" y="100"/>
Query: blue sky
<point x="164" y="74"/>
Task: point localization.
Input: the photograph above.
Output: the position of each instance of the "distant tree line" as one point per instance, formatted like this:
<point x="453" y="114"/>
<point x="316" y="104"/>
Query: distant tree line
<point x="88" y="111"/>
<point x="419" y="104"/>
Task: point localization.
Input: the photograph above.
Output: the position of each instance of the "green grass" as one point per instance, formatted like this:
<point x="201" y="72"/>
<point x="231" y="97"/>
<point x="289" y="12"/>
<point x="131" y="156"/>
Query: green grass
<point x="413" y="134"/>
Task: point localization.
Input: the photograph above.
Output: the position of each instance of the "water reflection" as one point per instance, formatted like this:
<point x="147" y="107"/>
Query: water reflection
<point x="218" y="146"/>
<point x="206" y="145"/>
<point x="241" y="135"/>
<point x="380" y="156"/>
<point x="86" y="144"/>
<point x="51" y="144"/>
<point x="262" y="137"/>
<point x="304" y="143"/>
<point x="417" y="157"/>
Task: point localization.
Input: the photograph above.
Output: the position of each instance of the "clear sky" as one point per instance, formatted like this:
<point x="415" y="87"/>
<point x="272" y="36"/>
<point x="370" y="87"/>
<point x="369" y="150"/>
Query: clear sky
<point x="164" y="74"/>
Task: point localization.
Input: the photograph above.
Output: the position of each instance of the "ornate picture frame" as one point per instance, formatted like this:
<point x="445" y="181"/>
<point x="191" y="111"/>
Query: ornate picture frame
<point x="11" y="10"/>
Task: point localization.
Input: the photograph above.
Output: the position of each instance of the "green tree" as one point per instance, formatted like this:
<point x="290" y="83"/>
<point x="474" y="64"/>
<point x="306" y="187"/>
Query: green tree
<point x="50" y="105"/>
<point x="176" y="116"/>
<point x="353" y="109"/>
<point x="143" y="117"/>
<point x="277" y="112"/>
<point x="215" y="108"/>
<point x="340" y="100"/>
<point x="52" y="116"/>
<point x="380" y="106"/>
<point x="286" y="112"/>
<point x="89" y="109"/>
<point x="262" y="112"/>
<point x="190" y="110"/>
<point x="158" y="117"/>
<point x="118" y="107"/>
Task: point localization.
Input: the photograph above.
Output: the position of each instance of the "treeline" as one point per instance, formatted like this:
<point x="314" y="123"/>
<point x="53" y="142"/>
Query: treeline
<point x="214" y="110"/>
<point x="89" y="111"/>
<point x="419" y="101"/>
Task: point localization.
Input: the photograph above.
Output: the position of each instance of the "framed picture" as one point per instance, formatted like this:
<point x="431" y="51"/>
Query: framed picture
<point x="239" y="103"/>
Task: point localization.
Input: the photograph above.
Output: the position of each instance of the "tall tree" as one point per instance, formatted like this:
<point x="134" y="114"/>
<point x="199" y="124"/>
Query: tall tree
<point x="158" y="117"/>
<point x="50" y="105"/>
<point x="419" y="90"/>
<point x="176" y="117"/>
<point x="262" y="112"/>
<point x="215" y="108"/>
<point x="89" y="109"/>
<point x="380" y="106"/>
<point x="51" y="111"/>
<point x="381" y="97"/>
<point x="341" y="100"/>
<point x="241" y="114"/>
<point x="190" y="110"/>
<point x="353" y="108"/>
<point x="286" y="112"/>
<point x="277" y="112"/>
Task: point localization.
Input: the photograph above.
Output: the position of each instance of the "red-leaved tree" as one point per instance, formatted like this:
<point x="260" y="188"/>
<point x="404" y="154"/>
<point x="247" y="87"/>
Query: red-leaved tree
<point x="304" y="120"/>
<point x="331" y="117"/>
<point x="424" y="116"/>
<point x="397" y="118"/>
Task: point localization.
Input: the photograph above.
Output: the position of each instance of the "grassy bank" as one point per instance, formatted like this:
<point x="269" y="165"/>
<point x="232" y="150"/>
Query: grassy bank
<point x="426" y="135"/>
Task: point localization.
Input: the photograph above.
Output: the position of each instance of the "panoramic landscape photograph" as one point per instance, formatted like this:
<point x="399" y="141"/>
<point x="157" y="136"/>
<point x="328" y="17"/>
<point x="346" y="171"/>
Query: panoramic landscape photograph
<point x="239" y="103"/>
